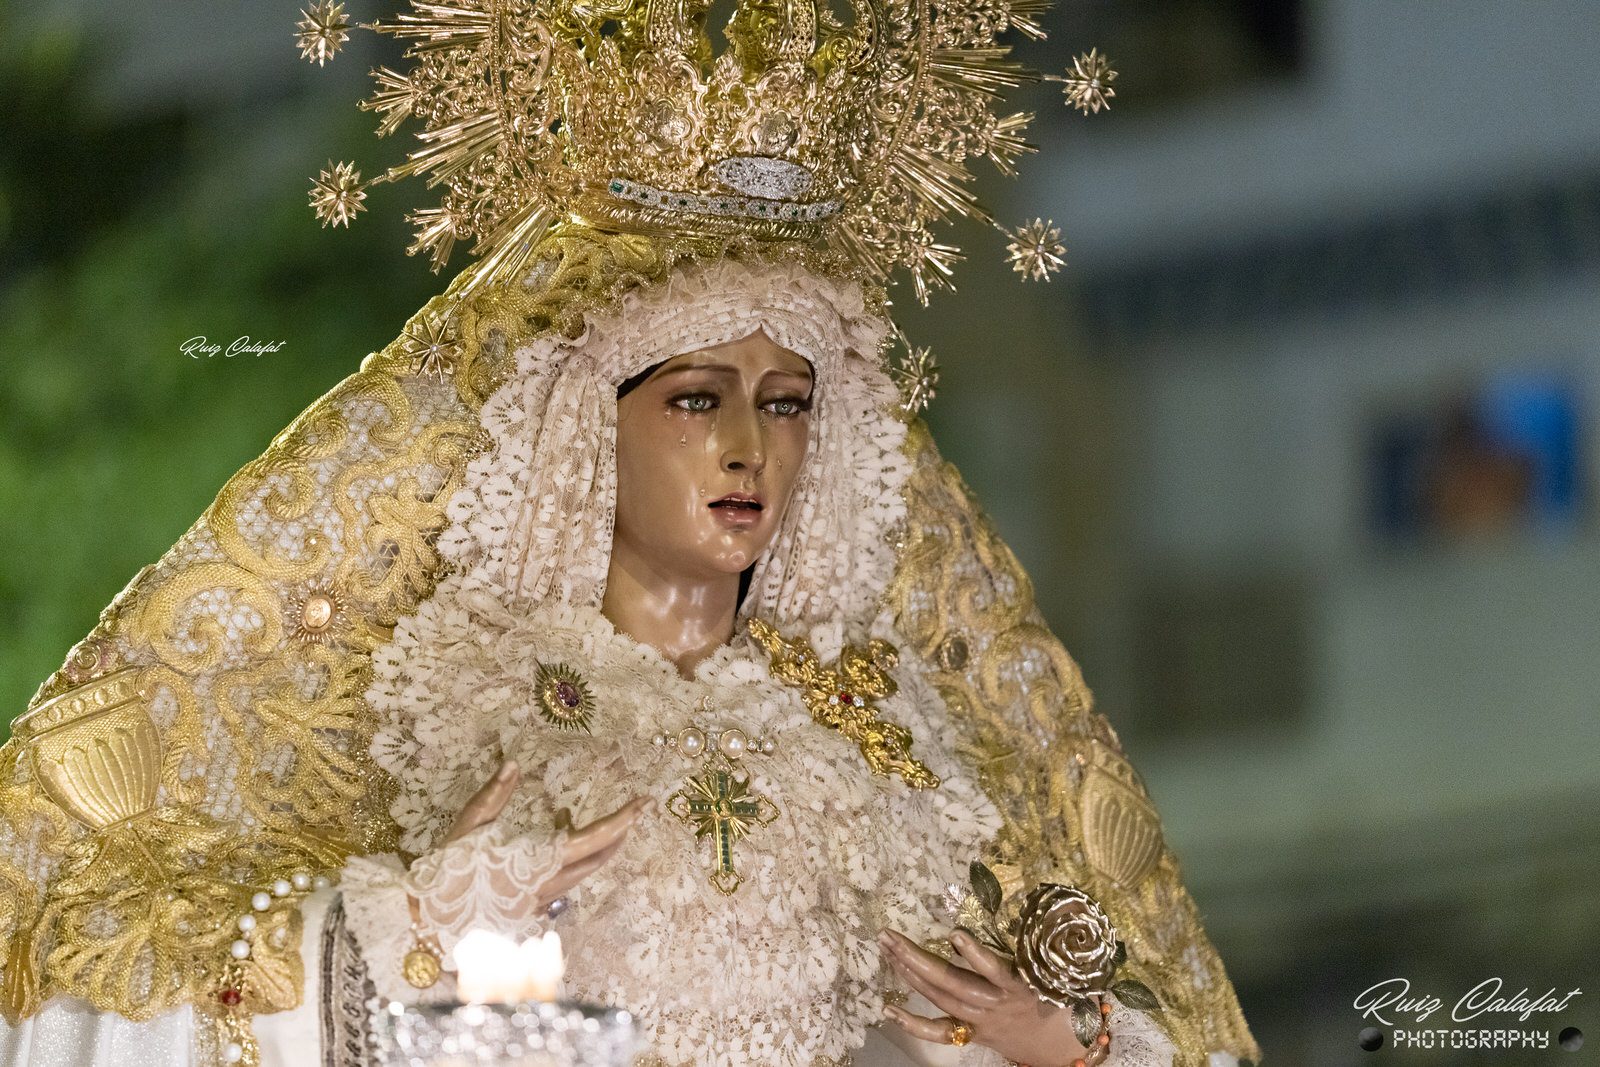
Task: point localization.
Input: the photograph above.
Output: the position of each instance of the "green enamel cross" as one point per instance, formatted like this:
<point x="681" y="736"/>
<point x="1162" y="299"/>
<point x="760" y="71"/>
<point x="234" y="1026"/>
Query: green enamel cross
<point x="721" y="806"/>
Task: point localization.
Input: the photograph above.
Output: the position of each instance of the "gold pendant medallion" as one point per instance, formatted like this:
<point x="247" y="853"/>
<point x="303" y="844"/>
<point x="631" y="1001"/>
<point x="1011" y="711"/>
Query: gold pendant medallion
<point x="422" y="966"/>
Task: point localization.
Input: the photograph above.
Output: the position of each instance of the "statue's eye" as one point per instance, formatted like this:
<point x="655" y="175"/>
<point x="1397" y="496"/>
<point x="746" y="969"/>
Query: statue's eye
<point x="788" y="406"/>
<point x="696" y="402"/>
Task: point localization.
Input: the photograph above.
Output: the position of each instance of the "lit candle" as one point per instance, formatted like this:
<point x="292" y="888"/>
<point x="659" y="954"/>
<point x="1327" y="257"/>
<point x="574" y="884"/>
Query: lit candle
<point x="542" y="967"/>
<point x="491" y="969"/>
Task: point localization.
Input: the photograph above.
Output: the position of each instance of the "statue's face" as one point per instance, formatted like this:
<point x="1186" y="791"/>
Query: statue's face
<point x="708" y="449"/>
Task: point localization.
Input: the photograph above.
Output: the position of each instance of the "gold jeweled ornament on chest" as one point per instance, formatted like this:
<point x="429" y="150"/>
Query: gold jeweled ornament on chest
<point x="841" y="698"/>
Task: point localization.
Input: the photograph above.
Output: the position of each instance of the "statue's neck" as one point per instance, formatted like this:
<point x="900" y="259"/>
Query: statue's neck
<point x="684" y="618"/>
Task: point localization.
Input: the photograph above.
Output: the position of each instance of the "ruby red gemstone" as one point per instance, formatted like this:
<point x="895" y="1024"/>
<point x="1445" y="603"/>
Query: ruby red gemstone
<point x="230" y="997"/>
<point x="846" y="697"/>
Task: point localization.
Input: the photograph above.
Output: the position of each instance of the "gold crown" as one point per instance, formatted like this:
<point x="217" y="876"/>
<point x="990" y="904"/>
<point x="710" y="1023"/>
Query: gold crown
<point x="851" y="129"/>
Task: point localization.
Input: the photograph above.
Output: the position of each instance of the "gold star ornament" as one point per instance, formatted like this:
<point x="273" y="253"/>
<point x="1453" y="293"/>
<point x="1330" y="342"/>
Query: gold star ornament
<point x="1087" y="84"/>
<point x="917" y="375"/>
<point x="336" y="194"/>
<point x="1035" y="250"/>
<point x="322" y="31"/>
<point x="431" y="341"/>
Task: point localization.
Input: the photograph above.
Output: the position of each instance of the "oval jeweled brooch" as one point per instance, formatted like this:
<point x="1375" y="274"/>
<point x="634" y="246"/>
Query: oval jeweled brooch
<point x="564" y="697"/>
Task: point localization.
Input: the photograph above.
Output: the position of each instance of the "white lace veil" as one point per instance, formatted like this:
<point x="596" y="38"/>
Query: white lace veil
<point x="534" y="515"/>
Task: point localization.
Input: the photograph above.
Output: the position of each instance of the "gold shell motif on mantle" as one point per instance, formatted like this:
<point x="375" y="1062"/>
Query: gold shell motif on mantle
<point x="96" y="751"/>
<point x="1121" y="830"/>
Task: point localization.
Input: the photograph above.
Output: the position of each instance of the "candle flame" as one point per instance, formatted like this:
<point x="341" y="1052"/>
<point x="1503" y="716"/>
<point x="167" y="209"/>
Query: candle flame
<point x="491" y="969"/>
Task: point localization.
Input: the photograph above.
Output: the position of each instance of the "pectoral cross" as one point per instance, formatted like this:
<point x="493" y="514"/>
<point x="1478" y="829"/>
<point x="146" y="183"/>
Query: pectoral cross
<point x="719" y="804"/>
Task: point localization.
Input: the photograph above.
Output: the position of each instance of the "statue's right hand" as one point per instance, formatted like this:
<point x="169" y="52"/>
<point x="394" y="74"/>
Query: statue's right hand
<point x="462" y="882"/>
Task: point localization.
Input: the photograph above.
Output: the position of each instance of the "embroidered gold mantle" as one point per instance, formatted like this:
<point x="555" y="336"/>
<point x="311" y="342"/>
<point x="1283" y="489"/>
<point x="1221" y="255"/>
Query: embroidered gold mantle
<point x="209" y="736"/>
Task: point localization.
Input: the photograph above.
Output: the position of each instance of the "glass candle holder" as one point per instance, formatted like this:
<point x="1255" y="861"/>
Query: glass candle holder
<point x="530" y="1034"/>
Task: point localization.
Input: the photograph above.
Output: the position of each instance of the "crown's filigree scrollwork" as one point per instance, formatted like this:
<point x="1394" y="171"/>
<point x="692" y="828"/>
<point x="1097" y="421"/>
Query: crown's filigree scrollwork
<point x="850" y="126"/>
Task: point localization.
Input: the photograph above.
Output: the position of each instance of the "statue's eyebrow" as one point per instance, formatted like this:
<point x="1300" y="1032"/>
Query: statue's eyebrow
<point x="684" y="368"/>
<point x="725" y="368"/>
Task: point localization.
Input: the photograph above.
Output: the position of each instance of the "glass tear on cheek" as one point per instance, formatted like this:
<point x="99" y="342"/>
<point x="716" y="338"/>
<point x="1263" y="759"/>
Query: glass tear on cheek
<point x="683" y="440"/>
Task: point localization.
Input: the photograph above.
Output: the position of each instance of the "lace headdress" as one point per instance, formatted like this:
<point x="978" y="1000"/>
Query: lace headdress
<point x="534" y="517"/>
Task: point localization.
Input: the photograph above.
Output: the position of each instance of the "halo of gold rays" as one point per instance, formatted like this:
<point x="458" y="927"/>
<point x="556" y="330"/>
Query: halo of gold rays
<point x="337" y="194"/>
<point x="1035" y="250"/>
<point x="518" y="99"/>
<point x="322" y="31"/>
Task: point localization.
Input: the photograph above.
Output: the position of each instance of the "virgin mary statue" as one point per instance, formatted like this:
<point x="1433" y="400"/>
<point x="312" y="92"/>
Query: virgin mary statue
<point x="625" y="595"/>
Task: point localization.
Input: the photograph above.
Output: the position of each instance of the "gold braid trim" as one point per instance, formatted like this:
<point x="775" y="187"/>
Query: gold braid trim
<point x="1074" y="809"/>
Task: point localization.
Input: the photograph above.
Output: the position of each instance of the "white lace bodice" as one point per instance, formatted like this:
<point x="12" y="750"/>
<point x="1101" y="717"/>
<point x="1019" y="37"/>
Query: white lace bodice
<point x="784" y="970"/>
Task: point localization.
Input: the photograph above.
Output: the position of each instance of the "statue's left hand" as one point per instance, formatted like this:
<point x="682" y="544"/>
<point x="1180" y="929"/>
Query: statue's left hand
<point x="989" y="996"/>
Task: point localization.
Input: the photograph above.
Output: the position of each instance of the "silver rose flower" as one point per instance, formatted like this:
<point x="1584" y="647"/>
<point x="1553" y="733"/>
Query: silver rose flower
<point x="1066" y="945"/>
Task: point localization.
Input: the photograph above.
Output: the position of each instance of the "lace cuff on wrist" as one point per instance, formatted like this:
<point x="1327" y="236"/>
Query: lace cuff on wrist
<point x="378" y="916"/>
<point x="484" y="881"/>
<point x="479" y="881"/>
<point x="1136" y="1039"/>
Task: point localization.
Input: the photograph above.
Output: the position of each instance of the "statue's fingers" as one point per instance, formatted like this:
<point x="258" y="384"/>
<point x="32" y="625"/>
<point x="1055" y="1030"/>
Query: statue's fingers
<point x="946" y="1001"/>
<point x="572" y="873"/>
<point x="487" y="803"/>
<point x="971" y="988"/>
<point x="604" y="831"/>
<point x="986" y="961"/>
<point x="920" y="1026"/>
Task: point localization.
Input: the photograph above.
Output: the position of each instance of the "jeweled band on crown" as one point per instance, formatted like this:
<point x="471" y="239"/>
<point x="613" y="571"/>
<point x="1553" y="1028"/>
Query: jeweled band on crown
<point x="849" y="126"/>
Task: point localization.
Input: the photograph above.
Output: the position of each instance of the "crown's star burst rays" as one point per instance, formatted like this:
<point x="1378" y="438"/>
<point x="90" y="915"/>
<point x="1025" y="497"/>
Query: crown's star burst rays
<point x="529" y="122"/>
<point x="1087" y="85"/>
<point x="337" y="195"/>
<point x="917" y="375"/>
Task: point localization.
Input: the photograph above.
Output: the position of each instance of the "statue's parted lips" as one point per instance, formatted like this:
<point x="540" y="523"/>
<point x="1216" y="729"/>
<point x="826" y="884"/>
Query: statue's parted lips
<point x="737" y="500"/>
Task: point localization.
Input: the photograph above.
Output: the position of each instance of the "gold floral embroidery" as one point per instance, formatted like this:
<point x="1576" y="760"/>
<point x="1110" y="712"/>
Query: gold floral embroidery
<point x="144" y="872"/>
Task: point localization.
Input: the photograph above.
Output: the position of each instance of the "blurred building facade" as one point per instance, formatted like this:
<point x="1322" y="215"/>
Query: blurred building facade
<point x="1376" y="751"/>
